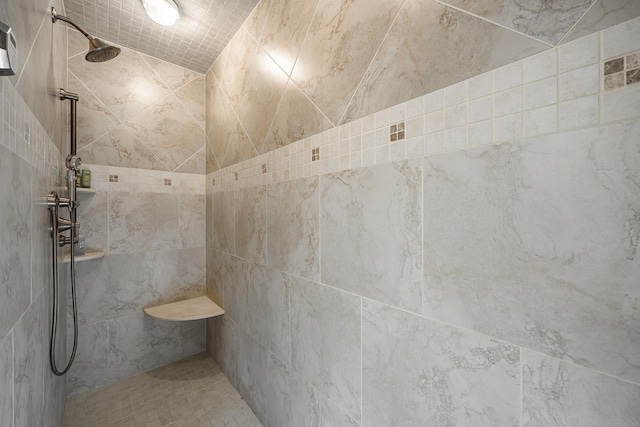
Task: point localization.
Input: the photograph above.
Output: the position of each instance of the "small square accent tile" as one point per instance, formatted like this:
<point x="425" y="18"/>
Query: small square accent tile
<point x="613" y="66"/>
<point x="213" y="182"/>
<point x="613" y="81"/>
<point x="236" y="176"/>
<point x="167" y="181"/>
<point x="113" y="178"/>
<point x="396" y="132"/>
<point x="633" y="76"/>
<point x="315" y="154"/>
<point x="633" y="61"/>
<point x="264" y="168"/>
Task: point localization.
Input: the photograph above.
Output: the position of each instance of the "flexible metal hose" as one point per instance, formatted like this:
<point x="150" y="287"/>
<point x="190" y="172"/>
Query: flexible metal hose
<point x="56" y="290"/>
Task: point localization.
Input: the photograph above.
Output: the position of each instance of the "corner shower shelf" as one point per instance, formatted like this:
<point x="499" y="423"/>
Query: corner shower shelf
<point x="82" y="190"/>
<point x="86" y="257"/>
<point x="189" y="309"/>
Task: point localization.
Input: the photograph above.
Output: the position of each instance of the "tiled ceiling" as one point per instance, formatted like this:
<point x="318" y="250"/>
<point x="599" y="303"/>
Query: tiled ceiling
<point x="195" y="41"/>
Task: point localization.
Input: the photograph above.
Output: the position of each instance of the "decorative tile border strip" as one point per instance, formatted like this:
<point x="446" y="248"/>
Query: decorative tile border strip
<point x="558" y="90"/>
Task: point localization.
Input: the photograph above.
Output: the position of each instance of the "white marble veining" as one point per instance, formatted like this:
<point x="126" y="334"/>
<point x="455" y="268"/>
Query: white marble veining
<point x="293" y="227"/>
<point x="268" y="310"/>
<point x="15" y="221"/>
<point x="543" y="232"/>
<point x="6" y="380"/>
<point x="192" y="217"/>
<point x="252" y="372"/>
<point x="250" y="213"/>
<point x="111" y="287"/>
<point x="419" y="372"/>
<point x="131" y="232"/>
<point x="223" y="222"/>
<point x="326" y="345"/>
<point x="235" y="276"/>
<point x="90" y="368"/>
<point x="174" y="274"/>
<point x="558" y="394"/>
<point x="371" y="238"/>
<point x="292" y="401"/>
<point x="30" y="353"/>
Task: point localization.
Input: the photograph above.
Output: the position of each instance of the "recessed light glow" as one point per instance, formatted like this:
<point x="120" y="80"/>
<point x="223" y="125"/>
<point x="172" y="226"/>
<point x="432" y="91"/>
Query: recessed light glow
<point x="164" y="12"/>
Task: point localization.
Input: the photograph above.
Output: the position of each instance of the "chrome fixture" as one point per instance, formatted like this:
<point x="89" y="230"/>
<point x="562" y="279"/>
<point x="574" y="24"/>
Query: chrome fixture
<point x="163" y="12"/>
<point x="60" y="225"/>
<point x="99" y="51"/>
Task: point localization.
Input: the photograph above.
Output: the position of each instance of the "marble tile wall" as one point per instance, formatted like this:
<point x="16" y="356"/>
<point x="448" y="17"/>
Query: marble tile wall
<point x="137" y="111"/>
<point x="472" y="250"/>
<point x="150" y="226"/>
<point x="32" y="136"/>
<point x="296" y="69"/>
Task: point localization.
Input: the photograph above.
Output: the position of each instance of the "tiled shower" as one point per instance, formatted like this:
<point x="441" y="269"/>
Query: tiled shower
<point x="412" y="213"/>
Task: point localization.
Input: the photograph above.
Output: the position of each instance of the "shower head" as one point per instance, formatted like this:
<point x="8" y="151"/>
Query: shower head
<point x="99" y="51"/>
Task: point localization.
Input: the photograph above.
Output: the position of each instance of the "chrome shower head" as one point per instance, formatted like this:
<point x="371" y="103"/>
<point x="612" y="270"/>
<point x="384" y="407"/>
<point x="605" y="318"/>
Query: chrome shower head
<point x="99" y="51"/>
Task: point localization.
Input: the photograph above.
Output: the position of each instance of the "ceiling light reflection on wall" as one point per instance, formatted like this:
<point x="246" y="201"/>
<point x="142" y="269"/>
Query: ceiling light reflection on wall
<point x="164" y="12"/>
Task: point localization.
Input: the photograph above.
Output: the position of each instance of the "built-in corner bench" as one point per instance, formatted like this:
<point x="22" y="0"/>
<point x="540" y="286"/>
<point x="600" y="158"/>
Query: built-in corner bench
<point x="189" y="309"/>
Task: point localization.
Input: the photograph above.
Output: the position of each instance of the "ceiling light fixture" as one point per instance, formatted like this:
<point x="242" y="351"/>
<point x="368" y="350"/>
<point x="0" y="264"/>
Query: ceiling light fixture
<point x="164" y="12"/>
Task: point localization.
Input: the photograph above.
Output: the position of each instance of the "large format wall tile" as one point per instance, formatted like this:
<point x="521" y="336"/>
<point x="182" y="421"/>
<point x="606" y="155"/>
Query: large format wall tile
<point x="28" y="365"/>
<point x="261" y="87"/>
<point x="354" y="30"/>
<point x="93" y="215"/>
<point x="223" y="222"/>
<point x="460" y="46"/>
<point x="325" y="336"/>
<point x="168" y="130"/>
<point x="111" y="287"/>
<point x="250" y="208"/>
<point x="120" y="147"/>
<point x="235" y="280"/>
<point x="295" y="119"/>
<point x="127" y="86"/>
<point x="191" y="96"/>
<point x="175" y="274"/>
<point x="229" y="141"/>
<point x="283" y="29"/>
<point x="438" y="375"/>
<point x="225" y="347"/>
<point x="292" y="402"/>
<point x="215" y="268"/>
<point x="603" y="14"/>
<point x="561" y="394"/>
<point x="192" y="220"/>
<point x="545" y="21"/>
<point x="139" y="343"/>
<point x="252" y="374"/>
<point x="174" y="76"/>
<point x="15" y="244"/>
<point x="371" y="239"/>
<point x="6" y="380"/>
<point x="129" y="231"/>
<point x="535" y="243"/>
<point x="94" y="119"/>
<point x="268" y="309"/>
<point x="293" y="227"/>
<point x="90" y="368"/>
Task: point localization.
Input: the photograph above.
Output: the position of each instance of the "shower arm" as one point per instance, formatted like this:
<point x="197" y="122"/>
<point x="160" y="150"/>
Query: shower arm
<point x="55" y="16"/>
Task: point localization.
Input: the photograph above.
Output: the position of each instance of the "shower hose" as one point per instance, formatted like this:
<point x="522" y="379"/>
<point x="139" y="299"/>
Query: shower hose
<point x="53" y="209"/>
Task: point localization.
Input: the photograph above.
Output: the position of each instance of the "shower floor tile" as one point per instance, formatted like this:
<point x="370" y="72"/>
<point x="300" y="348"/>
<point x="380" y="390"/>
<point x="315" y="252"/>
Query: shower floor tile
<point x="189" y="393"/>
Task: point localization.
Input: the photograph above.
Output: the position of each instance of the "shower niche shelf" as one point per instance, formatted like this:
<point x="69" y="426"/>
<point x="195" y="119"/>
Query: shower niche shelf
<point x="189" y="309"/>
<point x="89" y="255"/>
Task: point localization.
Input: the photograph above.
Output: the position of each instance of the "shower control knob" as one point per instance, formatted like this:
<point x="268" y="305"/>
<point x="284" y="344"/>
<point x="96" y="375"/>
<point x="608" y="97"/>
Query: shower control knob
<point x="74" y="162"/>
